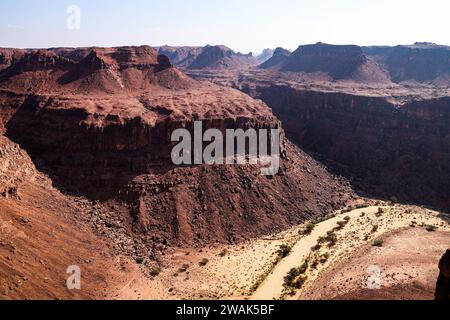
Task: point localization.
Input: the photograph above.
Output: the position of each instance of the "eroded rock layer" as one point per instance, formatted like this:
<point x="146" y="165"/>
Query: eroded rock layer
<point x="101" y="127"/>
<point x="388" y="148"/>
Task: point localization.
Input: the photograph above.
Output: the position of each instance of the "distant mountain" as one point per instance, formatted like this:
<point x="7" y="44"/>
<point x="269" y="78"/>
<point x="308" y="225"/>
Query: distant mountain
<point x="265" y="55"/>
<point x="209" y="57"/>
<point x="421" y="62"/>
<point x="279" y="57"/>
<point x="338" y="61"/>
<point x="181" y="57"/>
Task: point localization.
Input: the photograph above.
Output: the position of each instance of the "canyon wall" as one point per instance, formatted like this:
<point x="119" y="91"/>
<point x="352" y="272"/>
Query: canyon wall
<point x="388" y="150"/>
<point x="101" y="127"/>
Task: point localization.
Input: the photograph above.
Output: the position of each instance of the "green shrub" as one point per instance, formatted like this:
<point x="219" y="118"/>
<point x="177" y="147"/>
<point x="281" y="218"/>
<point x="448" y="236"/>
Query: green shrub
<point x="331" y="238"/>
<point x="431" y="228"/>
<point x="379" y="213"/>
<point x="183" y="268"/>
<point x="309" y="228"/>
<point x="304" y="267"/>
<point x="341" y="225"/>
<point x="322" y="240"/>
<point x="204" y="262"/>
<point x="375" y="228"/>
<point x="223" y="253"/>
<point x="324" y="258"/>
<point x="285" y="250"/>
<point x="155" y="271"/>
<point x="300" y="282"/>
<point x="378" y="243"/>
<point x="139" y="260"/>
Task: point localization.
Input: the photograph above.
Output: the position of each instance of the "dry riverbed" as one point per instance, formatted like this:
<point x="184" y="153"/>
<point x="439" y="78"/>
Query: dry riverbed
<point x="258" y="269"/>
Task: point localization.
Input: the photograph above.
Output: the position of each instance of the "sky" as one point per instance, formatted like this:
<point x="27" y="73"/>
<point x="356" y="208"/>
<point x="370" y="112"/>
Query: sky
<point x="243" y="25"/>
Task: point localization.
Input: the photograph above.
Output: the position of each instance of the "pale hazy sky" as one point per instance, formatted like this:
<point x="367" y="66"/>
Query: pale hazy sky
<point x="243" y="25"/>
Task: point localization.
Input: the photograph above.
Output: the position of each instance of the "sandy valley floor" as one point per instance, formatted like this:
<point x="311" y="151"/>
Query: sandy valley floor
<point x="405" y="242"/>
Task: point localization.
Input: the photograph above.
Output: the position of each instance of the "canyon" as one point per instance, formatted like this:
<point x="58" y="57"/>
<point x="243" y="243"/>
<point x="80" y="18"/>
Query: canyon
<point x="389" y="137"/>
<point x="89" y="130"/>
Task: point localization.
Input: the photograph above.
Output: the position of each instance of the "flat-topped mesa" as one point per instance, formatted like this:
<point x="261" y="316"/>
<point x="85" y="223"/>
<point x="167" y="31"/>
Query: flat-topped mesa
<point x="74" y="54"/>
<point x="421" y="62"/>
<point x="339" y="61"/>
<point x="214" y="57"/>
<point x="37" y="60"/>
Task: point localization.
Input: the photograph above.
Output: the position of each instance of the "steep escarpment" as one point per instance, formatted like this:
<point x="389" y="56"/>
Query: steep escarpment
<point x="420" y="62"/>
<point x="392" y="150"/>
<point x="338" y="61"/>
<point x="43" y="232"/>
<point x="101" y="128"/>
<point x="443" y="283"/>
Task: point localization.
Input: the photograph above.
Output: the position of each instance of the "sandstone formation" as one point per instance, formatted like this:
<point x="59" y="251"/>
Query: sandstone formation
<point x="101" y="128"/>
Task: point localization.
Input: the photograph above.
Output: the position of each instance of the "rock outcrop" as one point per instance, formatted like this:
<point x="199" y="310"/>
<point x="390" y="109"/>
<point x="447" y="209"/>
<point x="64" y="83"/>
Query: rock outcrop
<point x="277" y="60"/>
<point x="8" y="56"/>
<point x="182" y="57"/>
<point x="265" y="55"/>
<point x="339" y="62"/>
<point x="443" y="283"/>
<point x="101" y="128"/>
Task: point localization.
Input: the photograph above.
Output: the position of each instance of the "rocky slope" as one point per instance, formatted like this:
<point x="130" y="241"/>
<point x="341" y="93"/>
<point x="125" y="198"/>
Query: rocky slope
<point x="43" y="232"/>
<point x="443" y="284"/>
<point x="101" y="128"/>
